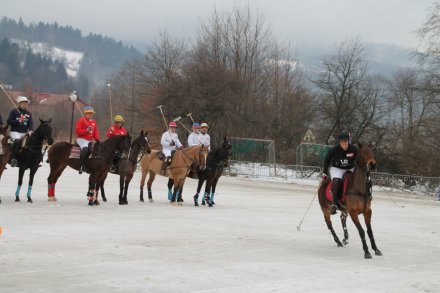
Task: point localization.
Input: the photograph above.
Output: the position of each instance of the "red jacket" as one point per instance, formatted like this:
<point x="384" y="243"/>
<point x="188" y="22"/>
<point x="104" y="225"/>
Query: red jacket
<point x="87" y="129"/>
<point x="115" y="130"/>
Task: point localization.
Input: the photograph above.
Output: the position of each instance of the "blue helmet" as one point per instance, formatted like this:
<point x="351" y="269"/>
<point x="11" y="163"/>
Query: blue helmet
<point x="196" y="125"/>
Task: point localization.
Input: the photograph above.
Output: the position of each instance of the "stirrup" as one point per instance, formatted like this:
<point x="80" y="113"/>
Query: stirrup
<point x="81" y="169"/>
<point x="13" y="163"/>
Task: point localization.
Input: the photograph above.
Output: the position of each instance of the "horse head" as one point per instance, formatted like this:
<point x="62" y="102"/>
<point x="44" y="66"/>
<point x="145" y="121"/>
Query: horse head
<point x="366" y="157"/>
<point x="203" y="155"/>
<point x="44" y="131"/>
<point x="145" y="143"/>
<point x="226" y="150"/>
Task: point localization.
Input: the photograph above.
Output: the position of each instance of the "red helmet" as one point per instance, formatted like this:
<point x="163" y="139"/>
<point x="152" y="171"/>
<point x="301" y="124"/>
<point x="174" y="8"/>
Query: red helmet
<point x="172" y="124"/>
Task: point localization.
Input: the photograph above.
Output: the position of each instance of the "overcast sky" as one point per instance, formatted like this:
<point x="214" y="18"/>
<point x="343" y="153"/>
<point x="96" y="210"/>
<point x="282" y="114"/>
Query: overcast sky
<point x="305" y="23"/>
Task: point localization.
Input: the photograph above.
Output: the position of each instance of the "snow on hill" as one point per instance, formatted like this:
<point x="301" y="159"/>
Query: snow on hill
<point x="71" y="59"/>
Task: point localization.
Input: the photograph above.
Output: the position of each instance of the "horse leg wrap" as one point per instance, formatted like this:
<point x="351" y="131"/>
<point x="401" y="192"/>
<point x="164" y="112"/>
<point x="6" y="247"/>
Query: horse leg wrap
<point x="206" y="196"/>
<point x="149" y="192"/>
<point x="212" y="197"/>
<point x="17" y="191"/>
<point x="170" y="194"/>
<point x="51" y="190"/>
<point x="29" y="192"/>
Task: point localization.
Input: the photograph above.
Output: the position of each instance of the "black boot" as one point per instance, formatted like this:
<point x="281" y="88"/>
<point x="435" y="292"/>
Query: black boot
<point x="336" y="187"/>
<point x="15" y="151"/>
<point x="165" y="164"/>
<point x="82" y="159"/>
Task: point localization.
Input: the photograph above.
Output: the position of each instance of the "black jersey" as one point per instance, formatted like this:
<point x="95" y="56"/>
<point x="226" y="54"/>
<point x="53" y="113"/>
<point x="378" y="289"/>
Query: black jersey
<point x="339" y="158"/>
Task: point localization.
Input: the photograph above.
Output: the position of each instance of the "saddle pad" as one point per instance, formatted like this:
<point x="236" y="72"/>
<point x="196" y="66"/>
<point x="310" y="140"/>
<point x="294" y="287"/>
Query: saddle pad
<point x="74" y="153"/>
<point x="328" y="189"/>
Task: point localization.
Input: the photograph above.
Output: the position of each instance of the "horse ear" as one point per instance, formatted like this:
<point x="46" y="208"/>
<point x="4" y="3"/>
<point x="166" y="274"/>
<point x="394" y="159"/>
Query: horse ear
<point x="225" y="139"/>
<point x="142" y="133"/>
<point x="370" y="145"/>
<point x="50" y="120"/>
<point x="41" y="121"/>
<point x="360" y="145"/>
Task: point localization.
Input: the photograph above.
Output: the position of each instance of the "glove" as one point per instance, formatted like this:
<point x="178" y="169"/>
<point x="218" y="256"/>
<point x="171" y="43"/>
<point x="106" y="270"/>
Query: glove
<point x="30" y="132"/>
<point x="172" y="143"/>
<point x="324" y="176"/>
<point x="22" y="118"/>
<point x="89" y="129"/>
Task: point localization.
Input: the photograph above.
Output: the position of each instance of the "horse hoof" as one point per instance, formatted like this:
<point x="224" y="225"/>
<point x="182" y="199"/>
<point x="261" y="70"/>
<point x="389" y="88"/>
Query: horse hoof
<point x="104" y="199"/>
<point x="378" y="252"/>
<point x="340" y="244"/>
<point x="345" y="241"/>
<point x="141" y="200"/>
<point x="196" y="204"/>
<point x="367" y="255"/>
<point x="96" y="203"/>
<point x="203" y="203"/>
<point x="151" y="200"/>
<point x="52" y="198"/>
<point x="29" y="200"/>
<point x="121" y="202"/>
<point x="17" y="199"/>
<point x="91" y="203"/>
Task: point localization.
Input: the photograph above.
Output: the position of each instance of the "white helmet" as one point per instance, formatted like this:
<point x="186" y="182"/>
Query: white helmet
<point x="204" y="125"/>
<point x="22" y="99"/>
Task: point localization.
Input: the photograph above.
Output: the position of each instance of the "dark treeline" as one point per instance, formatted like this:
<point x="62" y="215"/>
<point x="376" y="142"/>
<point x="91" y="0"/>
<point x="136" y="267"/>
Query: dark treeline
<point x="237" y="77"/>
<point x="102" y="55"/>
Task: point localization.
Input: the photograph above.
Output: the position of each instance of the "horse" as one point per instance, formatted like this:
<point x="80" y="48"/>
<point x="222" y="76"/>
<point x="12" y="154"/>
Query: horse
<point x="5" y="149"/>
<point x="177" y="170"/>
<point x="31" y="155"/>
<point x="357" y="196"/>
<point x="216" y="161"/>
<point x="97" y="165"/>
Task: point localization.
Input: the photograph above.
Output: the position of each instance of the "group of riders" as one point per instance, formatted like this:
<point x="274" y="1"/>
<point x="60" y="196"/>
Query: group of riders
<point x="341" y="158"/>
<point x="20" y="122"/>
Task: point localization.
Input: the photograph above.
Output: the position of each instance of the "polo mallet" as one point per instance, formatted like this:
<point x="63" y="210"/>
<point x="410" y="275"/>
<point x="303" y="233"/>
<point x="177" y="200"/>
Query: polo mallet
<point x="190" y="116"/>
<point x="183" y="125"/>
<point x="10" y="99"/>
<point x="163" y="116"/>
<point x="298" y="228"/>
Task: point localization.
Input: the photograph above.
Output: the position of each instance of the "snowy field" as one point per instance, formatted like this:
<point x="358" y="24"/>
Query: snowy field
<point x="248" y="242"/>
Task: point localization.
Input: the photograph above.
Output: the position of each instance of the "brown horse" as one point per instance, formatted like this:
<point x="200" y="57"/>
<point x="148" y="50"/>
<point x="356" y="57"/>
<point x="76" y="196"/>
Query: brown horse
<point x="178" y="170"/>
<point x="357" y="195"/>
<point x="5" y="149"/>
<point x="98" y="164"/>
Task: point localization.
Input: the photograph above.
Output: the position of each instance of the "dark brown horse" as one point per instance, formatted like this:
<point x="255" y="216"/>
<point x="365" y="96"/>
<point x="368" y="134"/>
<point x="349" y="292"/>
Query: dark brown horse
<point x="357" y="195"/>
<point x="98" y="164"/>
<point x="178" y="170"/>
<point x="31" y="155"/>
<point x="128" y="166"/>
<point x="5" y="149"/>
<point x="217" y="160"/>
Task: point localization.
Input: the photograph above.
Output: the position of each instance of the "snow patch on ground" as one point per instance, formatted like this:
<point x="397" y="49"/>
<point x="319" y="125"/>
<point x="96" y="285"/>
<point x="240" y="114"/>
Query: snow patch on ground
<point x="248" y="242"/>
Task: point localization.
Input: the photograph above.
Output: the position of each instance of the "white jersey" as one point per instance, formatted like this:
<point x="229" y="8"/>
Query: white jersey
<point x="206" y="140"/>
<point x="166" y="140"/>
<point x="195" y="138"/>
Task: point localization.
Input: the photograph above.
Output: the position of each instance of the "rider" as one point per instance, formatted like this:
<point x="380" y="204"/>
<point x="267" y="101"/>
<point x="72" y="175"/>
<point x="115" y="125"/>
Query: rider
<point x="206" y="139"/>
<point x="86" y="131"/>
<point x="116" y="129"/>
<point x="20" y="120"/>
<point x="195" y="137"/>
<point x="169" y="142"/>
<point x="342" y="158"/>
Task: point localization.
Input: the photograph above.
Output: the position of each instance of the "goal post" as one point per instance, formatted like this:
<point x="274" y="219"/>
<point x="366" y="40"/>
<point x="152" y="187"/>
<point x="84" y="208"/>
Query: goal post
<point x="253" y="150"/>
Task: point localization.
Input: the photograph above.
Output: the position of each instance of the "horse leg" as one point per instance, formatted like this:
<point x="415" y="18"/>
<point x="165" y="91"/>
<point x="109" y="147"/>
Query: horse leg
<point x="31" y="182"/>
<point x="121" y="189"/>
<point x="20" y="182"/>
<point x="354" y="216"/>
<point x="127" y="183"/>
<point x="143" y="176"/>
<point x="328" y="221"/>
<point x="199" y="186"/>
<point x="101" y="187"/>
<point x="92" y="188"/>
<point x="367" y="217"/>
<point x="149" y="184"/>
<point x="55" y="173"/>
<point x="213" y="186"/>
<point x="170" y="185"/>
<point x="344" y="227"/>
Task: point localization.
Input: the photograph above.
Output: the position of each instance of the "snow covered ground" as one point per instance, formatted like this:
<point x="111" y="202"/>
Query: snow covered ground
<point x="248" y="242"/>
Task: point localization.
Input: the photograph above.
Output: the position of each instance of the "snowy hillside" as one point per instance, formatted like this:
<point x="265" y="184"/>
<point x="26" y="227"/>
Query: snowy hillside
<point x="70" y="59"/>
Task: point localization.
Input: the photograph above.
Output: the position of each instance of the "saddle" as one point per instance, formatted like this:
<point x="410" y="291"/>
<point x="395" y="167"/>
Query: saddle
<point x="76" y="150"/>
<point x="328" y="188"/>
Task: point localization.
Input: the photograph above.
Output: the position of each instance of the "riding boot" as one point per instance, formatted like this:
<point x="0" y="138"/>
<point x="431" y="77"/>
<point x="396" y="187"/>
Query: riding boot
<point x="82" y="159"/>
<point x="165" y="164"/>
<point x="336" y="187"/>
<point x="15" y="150"/>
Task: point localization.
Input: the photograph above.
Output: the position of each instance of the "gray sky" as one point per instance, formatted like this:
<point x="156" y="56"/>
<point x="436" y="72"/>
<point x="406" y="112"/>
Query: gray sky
<point x="305" y="23"/>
